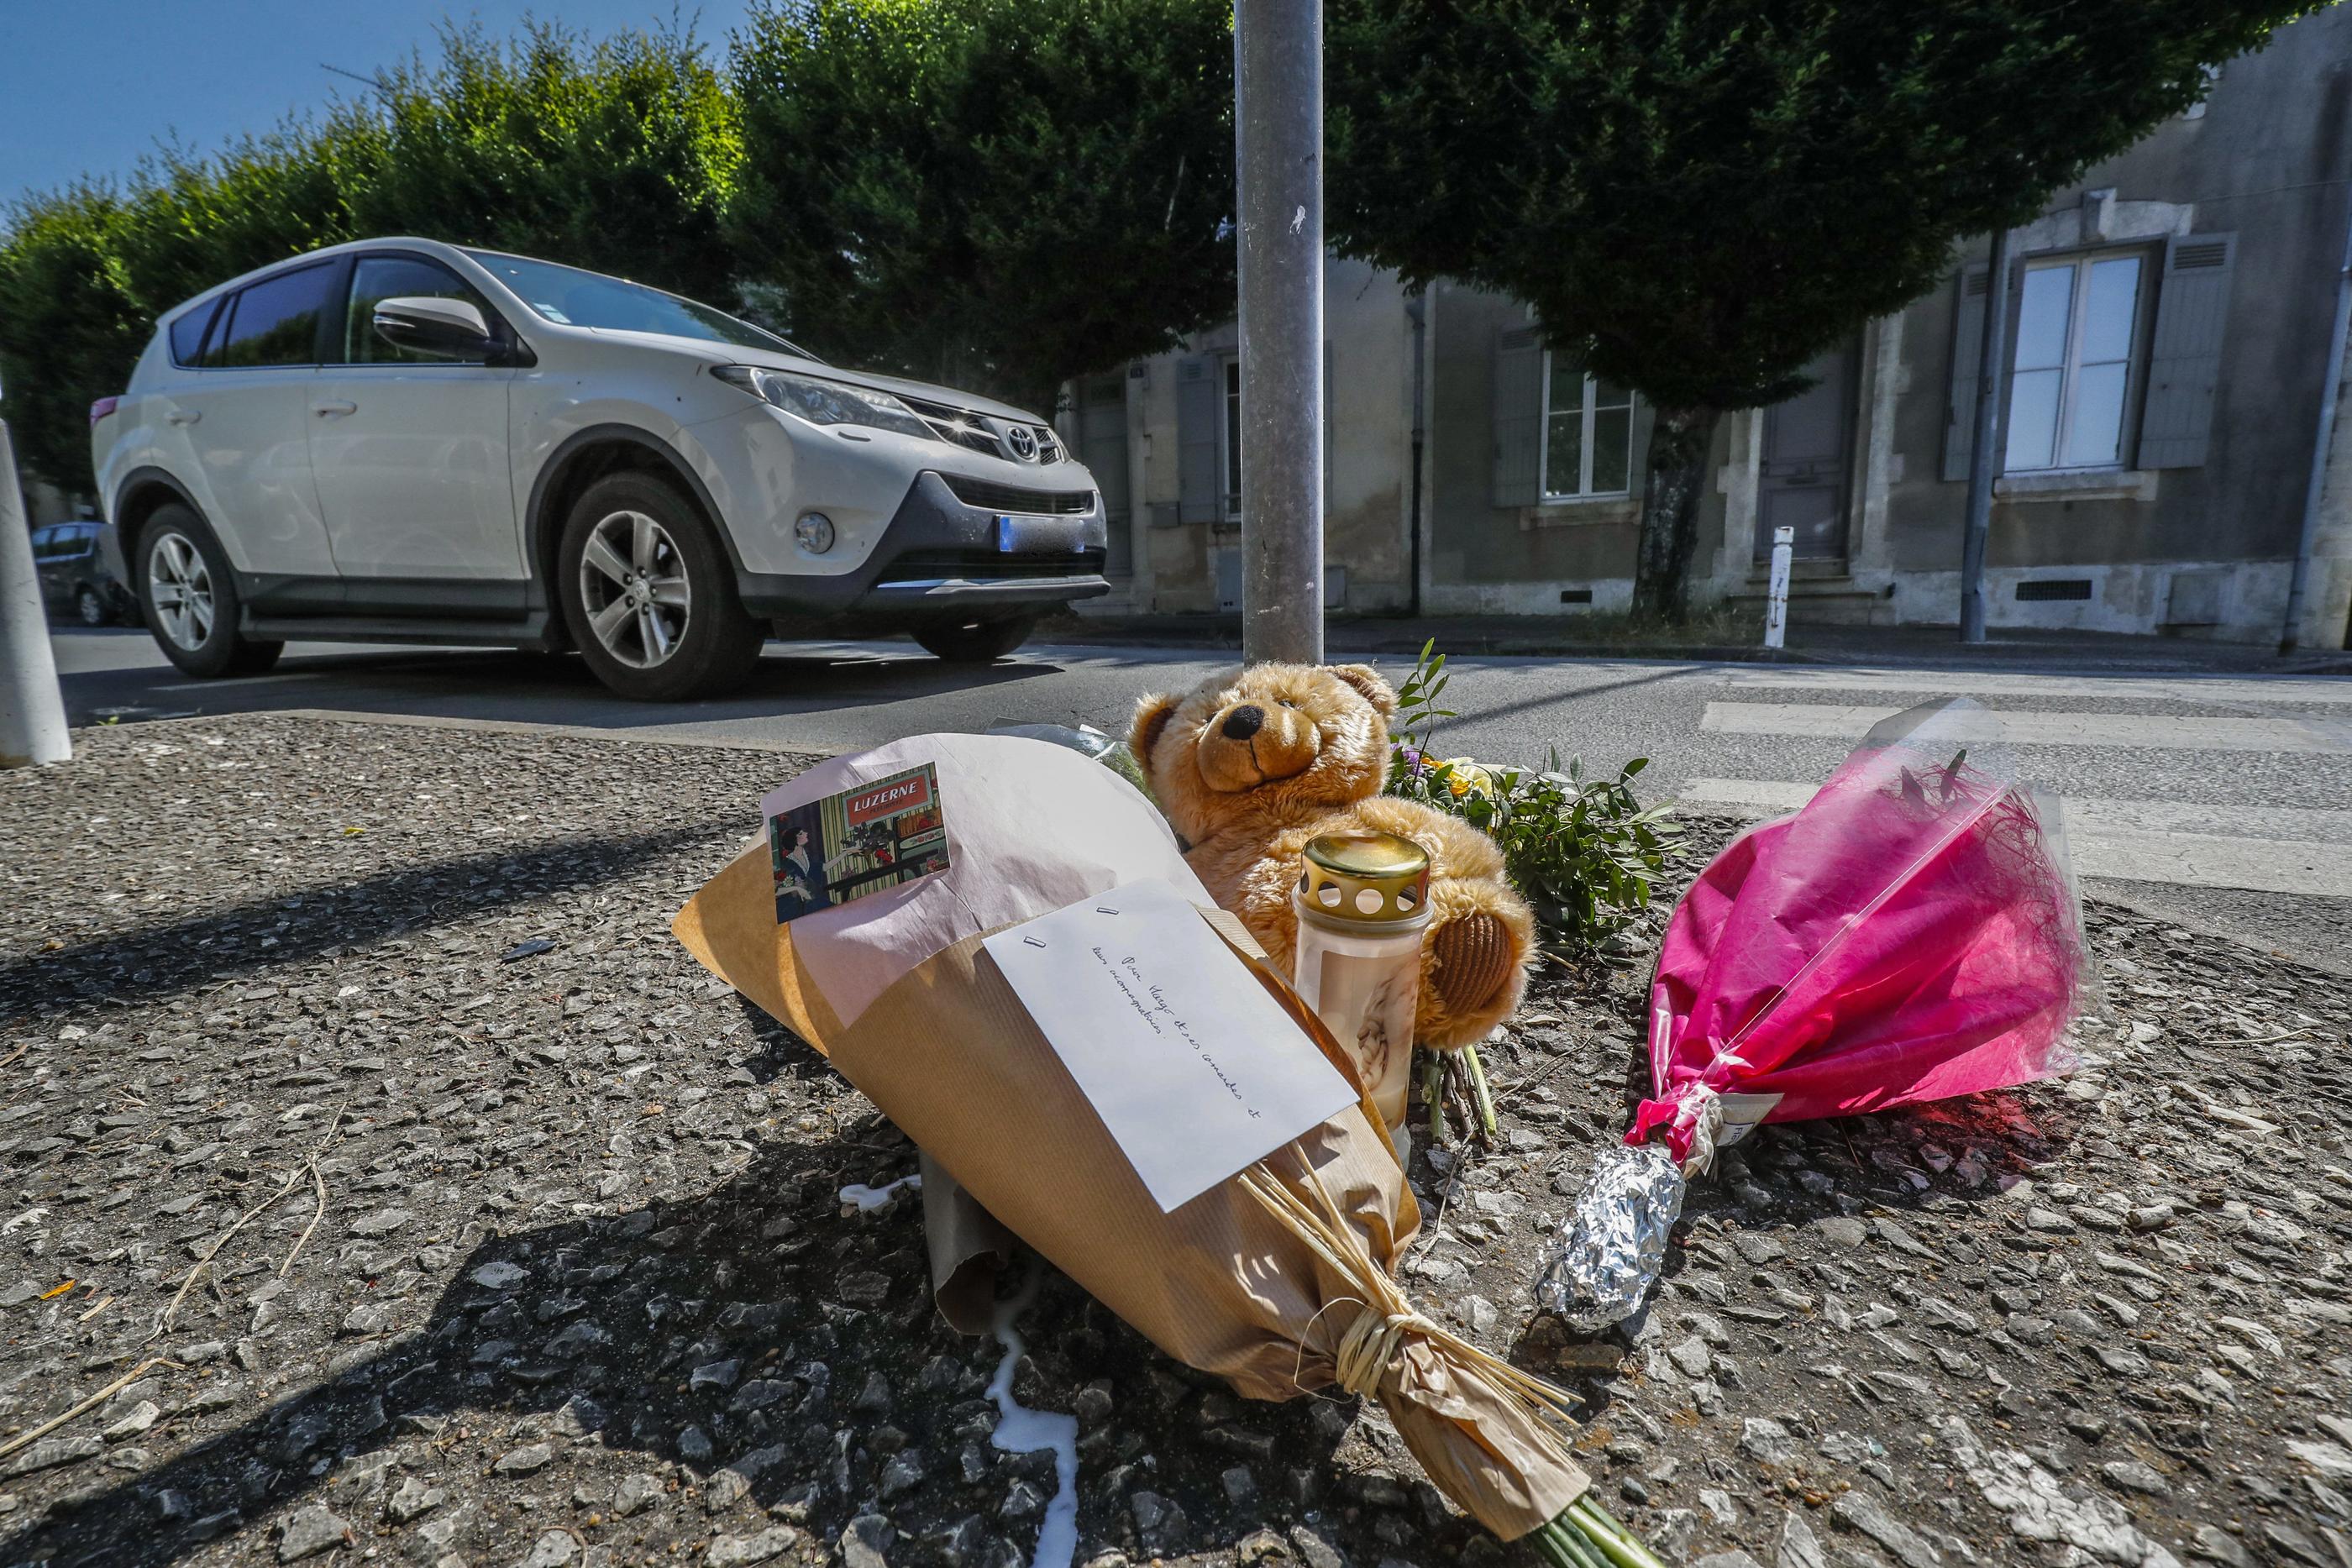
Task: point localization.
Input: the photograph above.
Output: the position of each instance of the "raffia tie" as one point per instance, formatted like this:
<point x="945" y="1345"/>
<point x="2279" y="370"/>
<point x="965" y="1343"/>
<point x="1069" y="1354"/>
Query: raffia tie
<point x="1372" y="1342"/>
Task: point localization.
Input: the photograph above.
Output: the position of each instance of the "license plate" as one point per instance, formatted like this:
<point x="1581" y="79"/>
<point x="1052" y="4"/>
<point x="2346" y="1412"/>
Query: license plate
<point x="1019" y="534"/>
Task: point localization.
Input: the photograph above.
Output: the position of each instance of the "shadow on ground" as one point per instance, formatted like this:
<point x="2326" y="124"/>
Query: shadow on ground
<point x="782" y="1353"/>
<point x="537" y="687"/>
<point x="161" y="960"/>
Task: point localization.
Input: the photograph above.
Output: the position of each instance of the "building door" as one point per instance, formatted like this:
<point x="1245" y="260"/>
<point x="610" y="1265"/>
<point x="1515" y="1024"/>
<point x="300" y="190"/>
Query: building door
<point x="1102" y="447"/>
<point x="1804" y="479"/>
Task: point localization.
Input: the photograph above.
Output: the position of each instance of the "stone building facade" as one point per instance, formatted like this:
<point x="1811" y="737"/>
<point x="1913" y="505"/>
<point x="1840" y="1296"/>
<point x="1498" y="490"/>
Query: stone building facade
<point x="2170" y="335"/>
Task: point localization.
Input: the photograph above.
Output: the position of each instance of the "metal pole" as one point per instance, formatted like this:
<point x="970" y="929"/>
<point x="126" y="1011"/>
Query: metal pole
<point x="2300" y="584"/>
<point x="32" y="712"/>
<point x="1776" y="595"/>
<point x="1278" y="148"/>
<point x="1984" y="458"/>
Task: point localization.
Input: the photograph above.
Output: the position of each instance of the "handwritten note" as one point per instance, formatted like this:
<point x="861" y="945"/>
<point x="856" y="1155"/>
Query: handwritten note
<point x="1194" y="1070"/>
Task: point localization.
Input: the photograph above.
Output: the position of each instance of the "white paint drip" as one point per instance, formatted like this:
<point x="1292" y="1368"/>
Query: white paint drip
<point x="864" y="1200"/>
<point x="1020" y="1430"/>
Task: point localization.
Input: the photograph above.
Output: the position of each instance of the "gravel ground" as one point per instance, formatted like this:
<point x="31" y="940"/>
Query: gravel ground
<point x="546" y="1262"/>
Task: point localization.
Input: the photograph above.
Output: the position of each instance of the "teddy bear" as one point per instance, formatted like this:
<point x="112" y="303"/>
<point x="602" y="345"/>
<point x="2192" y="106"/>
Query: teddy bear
<point x="1249" y="766"/>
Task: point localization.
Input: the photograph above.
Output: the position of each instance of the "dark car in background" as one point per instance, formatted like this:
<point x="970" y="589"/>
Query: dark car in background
<point x="79" y="577"/>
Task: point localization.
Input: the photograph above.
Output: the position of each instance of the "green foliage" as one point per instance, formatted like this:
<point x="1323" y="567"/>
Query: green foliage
<point x="70" y="330"/>
<point x="1703" y="196"/>
<point x="1585" y="852"/>
<point x="987" y="192"/>
<point x="616" y="155"/>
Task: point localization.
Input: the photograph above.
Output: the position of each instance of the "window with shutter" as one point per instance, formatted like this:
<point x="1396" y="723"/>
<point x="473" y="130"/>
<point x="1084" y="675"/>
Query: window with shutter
<point x="2073" y="369"/>
<point x="1967" y="346"/>
<point x="1587" y="432"/>
<point x="2193" y="307"/>
<point x="1518" y="418"/>
<point x="1200" y="414"/>
<point x="1229" y="433"/>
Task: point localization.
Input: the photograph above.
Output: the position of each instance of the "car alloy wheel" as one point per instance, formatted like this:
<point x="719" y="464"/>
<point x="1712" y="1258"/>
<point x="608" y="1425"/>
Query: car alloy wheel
<point x="89" y="607"/>
<point x="633" y="583"/>
<point x="180" y="587"/>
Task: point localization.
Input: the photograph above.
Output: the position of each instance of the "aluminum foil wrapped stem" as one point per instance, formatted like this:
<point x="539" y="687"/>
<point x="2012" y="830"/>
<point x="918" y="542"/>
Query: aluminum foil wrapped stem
<point x="1613" y="1246"/>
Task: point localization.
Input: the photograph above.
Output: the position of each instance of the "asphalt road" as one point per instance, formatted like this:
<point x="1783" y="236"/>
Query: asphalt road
<point x="2224" y="802"/>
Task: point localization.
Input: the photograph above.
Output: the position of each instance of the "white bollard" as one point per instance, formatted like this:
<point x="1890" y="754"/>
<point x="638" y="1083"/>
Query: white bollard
<point x="32" y="711"/>
<point x="1776" y="595"/>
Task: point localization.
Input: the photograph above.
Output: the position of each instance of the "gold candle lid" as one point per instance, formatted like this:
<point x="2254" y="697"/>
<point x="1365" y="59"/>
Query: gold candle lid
<point x="1374" y="878"/>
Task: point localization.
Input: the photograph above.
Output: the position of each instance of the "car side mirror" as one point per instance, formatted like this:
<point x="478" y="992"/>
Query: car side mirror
<point x="449" y="329"/>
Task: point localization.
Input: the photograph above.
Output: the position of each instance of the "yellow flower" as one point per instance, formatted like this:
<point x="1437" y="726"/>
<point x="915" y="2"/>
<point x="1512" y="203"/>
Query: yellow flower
<point x="1464" y="775"/>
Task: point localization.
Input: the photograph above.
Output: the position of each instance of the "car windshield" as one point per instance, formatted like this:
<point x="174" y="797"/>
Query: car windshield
<point x="570" y="296"/>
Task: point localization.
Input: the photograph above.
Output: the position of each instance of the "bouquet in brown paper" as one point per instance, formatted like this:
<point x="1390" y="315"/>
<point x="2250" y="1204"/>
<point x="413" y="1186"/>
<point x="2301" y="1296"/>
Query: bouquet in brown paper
<point x="956" y="998"/>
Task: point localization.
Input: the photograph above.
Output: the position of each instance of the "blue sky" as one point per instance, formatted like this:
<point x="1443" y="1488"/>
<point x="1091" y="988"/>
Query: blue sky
<point x="90" y="85"/>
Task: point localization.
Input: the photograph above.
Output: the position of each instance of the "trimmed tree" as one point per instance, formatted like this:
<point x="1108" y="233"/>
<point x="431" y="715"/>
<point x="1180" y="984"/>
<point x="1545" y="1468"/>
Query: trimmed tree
<point x="69" y="331"/>
<point x="614" y="155"/>
<point x="987" y="194"/>
<point x="1700" y="196"/>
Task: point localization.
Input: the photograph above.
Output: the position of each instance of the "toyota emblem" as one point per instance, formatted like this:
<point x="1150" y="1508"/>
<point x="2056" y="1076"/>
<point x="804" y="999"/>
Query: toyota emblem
<point x="1022" y="441"/>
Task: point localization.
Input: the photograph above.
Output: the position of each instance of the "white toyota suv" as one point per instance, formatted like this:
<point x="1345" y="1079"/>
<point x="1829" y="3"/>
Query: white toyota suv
<point x="399" y="440"/>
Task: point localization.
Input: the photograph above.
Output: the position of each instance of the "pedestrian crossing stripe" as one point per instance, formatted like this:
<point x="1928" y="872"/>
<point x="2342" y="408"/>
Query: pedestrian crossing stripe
<point x="2288" y="849"/>
<point x="1982" y="727"/>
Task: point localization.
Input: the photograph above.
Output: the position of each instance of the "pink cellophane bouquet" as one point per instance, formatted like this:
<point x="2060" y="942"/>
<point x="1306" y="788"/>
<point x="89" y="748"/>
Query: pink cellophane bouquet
<point x="1912" y="934"/>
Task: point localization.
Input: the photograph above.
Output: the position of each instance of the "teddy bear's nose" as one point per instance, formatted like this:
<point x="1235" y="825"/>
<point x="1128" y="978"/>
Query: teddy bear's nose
<point x="1243" y="722"/>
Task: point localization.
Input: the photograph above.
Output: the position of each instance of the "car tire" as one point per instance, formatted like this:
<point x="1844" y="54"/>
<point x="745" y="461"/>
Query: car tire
<point x="649" y="596"/>
<point x="976" y="642"/>
<point x="188" y="595"/>
<point x="90" y="607"/>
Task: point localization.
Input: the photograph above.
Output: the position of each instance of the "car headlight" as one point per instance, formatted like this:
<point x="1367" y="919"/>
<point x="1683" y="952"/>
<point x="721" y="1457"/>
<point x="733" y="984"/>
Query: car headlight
<point x="825" y="402"/>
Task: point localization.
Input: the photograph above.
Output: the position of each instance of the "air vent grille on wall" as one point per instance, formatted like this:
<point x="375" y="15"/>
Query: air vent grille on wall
<point x="2193" y="255"/>
<point x="1576" y="596"/>
<point x="2056" y="587"/>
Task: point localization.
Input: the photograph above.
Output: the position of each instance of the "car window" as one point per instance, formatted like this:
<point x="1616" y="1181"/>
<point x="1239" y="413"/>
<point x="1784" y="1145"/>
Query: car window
<point x="42" y="540"/>
<point x="570" y="296"/>
<point x="375" y="279"/>
<point x="188" y="333"/>
<point x="275" y="321"/>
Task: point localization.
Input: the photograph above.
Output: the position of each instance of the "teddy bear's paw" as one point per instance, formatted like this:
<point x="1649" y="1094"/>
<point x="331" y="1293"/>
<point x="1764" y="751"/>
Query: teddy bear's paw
<point x="1474" y="958"/>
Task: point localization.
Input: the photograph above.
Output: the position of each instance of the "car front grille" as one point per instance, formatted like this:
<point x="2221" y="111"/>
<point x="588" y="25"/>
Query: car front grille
<point x="990" y="566"/>
<point x="962" y="427"/>
<point x="990" y="496"/>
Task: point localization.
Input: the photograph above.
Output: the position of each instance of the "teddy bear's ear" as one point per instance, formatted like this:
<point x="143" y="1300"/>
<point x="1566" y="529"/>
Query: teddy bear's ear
<point x="1367" y="680"/>
<point x="1151" y="716"/>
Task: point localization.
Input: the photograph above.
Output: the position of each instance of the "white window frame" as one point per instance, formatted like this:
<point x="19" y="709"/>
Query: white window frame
<point x="2135" y="354"/>
<point x="1585" y="490"/>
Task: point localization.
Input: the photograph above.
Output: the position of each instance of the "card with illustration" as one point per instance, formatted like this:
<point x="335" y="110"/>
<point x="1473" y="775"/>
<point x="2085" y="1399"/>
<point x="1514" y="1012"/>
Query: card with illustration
<point x="862" y="841"/>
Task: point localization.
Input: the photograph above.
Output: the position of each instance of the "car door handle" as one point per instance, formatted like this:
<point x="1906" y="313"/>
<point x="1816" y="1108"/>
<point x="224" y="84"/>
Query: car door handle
<point x="184" y="416"/>
<point x="325" y="409"/>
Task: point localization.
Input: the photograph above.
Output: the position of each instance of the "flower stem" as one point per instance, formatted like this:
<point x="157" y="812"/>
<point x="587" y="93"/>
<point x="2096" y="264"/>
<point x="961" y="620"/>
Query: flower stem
<point x="1478" y="1089"/>
<point x="1567" y="1547"/>
<point x="1619" y="1545"/>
